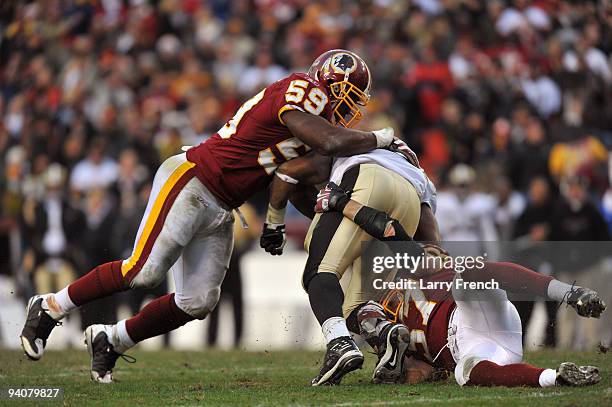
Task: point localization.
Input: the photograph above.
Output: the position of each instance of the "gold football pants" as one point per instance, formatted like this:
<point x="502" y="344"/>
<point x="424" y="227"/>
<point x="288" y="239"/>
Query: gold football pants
<point x="334" y="242"/>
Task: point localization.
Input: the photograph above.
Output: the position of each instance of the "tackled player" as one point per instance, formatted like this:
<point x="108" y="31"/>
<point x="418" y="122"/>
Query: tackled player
<point x="474" y="333"/>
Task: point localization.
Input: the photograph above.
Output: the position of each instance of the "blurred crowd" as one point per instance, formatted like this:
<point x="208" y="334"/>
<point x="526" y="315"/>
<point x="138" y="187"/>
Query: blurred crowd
<point x="508" y="104"/>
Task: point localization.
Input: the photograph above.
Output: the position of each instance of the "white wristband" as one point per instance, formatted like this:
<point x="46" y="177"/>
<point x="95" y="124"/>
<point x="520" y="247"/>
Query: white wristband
<point x="384" y="137"/>
<point x="287" y="178"/>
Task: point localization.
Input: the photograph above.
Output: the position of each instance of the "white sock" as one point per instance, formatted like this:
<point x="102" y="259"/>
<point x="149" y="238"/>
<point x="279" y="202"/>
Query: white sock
<point x="557" y="290"/>
<point x="63" y="301"/>
<point x="333" y="328"/>
<point x="548" y="378"/>
<point x="120" y="339"/>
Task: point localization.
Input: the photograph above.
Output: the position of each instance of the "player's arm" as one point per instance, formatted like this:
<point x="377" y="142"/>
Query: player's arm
<point x="290" y="177"/>
<point x="376" y="223"/>
<point x="309" y="169"/>
<point x="383" y="227"/>
<point x="329" y="140"/>
<point x="428" y="230"/>
<point x="304" y="199"/>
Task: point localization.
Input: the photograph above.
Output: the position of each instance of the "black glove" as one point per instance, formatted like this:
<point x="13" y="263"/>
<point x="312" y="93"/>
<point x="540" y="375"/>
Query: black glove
<point x="273" y="239"/>
<point x="332" y="198"/>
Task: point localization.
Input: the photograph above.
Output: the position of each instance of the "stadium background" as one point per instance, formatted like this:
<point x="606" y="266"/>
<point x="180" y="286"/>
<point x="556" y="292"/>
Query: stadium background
<point x="507" y="103"/>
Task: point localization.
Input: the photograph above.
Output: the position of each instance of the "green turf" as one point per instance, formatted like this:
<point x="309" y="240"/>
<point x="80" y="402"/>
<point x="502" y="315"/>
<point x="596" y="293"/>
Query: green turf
<point x="272" y="378"/>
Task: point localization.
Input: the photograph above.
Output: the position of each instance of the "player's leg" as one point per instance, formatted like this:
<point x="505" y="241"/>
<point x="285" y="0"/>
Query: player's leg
<point x="485" y="340"/>
<point x="331" y="245"/>
<point x="487" y="363"/>
<point x="203" y="266"/>
<point x="485" y="327"/>
<point x="334" y="243"/>
<point x="518" y="279"/>
<point x="389" y="340"/>
<point x="487" y="373"/>
<point x="44" y="311"/>
<point x="198" y="225"/>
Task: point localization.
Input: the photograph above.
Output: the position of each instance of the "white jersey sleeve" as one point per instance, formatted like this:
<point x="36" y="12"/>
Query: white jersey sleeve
<point x="431" y="196"/>
<point x="394" y="162"/>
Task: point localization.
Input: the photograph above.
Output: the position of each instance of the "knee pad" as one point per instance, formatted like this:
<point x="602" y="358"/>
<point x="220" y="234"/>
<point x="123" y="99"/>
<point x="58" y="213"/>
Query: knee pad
<point x="148" y="277"/>
<point x="199" y="306"/>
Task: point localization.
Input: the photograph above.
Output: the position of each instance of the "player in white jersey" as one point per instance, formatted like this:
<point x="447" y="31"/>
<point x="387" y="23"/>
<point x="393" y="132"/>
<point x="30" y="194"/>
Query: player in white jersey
<point x="392" y="161"/>
<point x="390" y="181"/>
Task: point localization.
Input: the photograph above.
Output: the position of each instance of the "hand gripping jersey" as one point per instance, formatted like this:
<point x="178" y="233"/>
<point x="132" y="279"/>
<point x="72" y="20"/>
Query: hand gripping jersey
<point x="426" y="313"/>
<point x="241" y="158"/>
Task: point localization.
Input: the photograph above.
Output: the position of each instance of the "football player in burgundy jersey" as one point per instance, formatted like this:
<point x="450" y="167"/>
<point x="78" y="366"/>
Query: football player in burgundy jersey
<point x="476" y="336"/>
<point x="187" y="225"/>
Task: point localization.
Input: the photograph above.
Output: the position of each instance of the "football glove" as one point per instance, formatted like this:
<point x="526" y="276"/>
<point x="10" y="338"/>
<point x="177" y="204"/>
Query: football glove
<point x="273" y="238"/>
<point x="384" y="137"/>
<point x="331" y="198"/>
<point x="587" y="303"/>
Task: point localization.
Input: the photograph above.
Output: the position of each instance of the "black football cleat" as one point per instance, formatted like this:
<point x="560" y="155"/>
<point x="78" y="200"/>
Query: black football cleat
<point x="37" y="328"/>
<point x="342" y="357"/>
<point x="393" y="344"/>
<point x="570" y="374"/>
<point x="587" y="303"/>
<point x="102" y="352"/>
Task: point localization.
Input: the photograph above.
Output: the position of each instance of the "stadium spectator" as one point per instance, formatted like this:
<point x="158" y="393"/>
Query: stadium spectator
<point x="576" y="216"/>
<point x="475" y="228"/>
<point x="509" y="205"/>
<point x="53" y="230"/>
<point x="577" y="219"/>
<point x="94" y="171"/>
<point x="101" y="215"/>
<point x="534" y="226"/>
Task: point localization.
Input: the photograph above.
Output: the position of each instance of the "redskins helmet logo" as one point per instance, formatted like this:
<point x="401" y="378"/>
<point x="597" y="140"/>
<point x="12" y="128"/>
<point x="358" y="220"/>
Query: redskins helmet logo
<point x="343" y="63"/>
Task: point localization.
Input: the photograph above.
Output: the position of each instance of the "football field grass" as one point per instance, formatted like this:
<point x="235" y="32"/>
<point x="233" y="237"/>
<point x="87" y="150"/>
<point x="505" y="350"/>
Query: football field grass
<point x="272" y="378"/>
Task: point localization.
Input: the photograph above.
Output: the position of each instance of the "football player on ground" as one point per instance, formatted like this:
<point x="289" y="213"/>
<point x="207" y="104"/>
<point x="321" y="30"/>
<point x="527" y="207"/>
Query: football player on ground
<point x="475" y="333"/>
<point x="388" y="180"/>
<point x="187" y="225"/>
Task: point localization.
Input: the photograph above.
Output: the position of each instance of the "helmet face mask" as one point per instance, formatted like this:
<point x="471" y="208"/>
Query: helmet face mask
<point x="347" y="101"/>
<point x="347" y="79"/>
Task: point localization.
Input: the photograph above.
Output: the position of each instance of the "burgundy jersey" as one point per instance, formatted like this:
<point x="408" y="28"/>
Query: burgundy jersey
<point x="241" y="158"/>
<point x="426" y="313"/>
